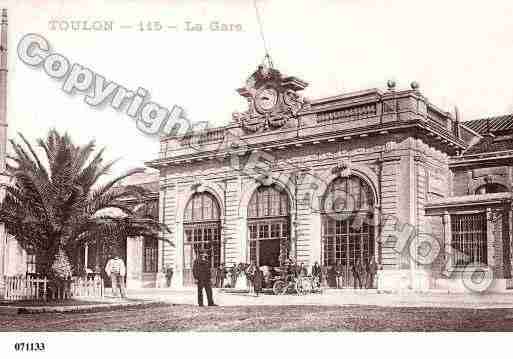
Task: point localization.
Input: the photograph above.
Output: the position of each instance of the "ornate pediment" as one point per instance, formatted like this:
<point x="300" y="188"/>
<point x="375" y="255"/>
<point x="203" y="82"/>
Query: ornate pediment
<point x="272" y="98"/>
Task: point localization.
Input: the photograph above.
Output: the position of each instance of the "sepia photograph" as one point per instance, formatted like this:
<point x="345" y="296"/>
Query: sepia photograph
<point x="266" y="167"/>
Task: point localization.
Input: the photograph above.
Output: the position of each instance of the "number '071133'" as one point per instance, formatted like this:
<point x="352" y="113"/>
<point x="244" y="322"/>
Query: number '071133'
<point x="29" y="347"/>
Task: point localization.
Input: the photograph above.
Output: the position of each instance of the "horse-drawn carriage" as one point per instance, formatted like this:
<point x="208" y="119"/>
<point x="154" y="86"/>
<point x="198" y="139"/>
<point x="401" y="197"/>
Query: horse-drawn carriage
<point x="282" y="281"/>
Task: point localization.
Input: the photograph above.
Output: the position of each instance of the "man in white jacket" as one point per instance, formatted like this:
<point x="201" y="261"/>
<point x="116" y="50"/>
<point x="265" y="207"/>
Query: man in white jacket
<point x="116" y="270"/>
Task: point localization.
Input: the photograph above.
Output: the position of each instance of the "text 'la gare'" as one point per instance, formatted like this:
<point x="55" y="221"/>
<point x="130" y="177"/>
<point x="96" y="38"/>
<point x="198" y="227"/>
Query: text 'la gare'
<point x="212" y="26"/>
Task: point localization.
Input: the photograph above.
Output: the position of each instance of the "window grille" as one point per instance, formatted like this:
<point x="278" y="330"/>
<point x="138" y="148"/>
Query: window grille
<point x="347" y="233"/>
<point x="469" y="238"/>
<point x="344" y="241"/>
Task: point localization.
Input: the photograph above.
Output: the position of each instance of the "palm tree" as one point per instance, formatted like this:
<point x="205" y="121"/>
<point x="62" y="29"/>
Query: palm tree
<point x="56" y="205"/>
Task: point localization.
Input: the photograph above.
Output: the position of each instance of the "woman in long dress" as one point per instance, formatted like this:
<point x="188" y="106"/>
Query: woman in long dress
<point x="233" y="276"/>
<point x="228" y="282"/>
<point x="242" y="279"/>
<point x="250" y="273"/>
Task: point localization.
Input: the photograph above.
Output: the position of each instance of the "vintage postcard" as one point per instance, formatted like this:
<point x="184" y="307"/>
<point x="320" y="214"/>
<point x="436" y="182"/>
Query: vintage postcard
<point x="254" y="166"/>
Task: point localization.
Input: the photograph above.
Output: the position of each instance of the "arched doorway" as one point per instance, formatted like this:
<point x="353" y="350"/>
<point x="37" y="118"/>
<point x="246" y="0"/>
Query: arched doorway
<point x="202" y="232"/>
<point x="347" y="230"/>
<point x="268" y="226"/>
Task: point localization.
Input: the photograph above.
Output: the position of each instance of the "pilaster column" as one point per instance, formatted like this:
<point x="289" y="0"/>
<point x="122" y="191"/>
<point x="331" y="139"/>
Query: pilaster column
<point x="222" y="258"/>
<point x="243" y="235"/>
<point x="134" y="262"/>
<point x="376" y="239"/>
<point x="86" y="256"/>
<point x="161" y="276"/>
<point x="179" y="240"/>
<point x="490" y="239"/>
<point x="316" y="240"/>
<point x="510" y="239"/>
<point x="293" y="244"/>
<point x="446" y="221"/>
<point x="407" y="204"/>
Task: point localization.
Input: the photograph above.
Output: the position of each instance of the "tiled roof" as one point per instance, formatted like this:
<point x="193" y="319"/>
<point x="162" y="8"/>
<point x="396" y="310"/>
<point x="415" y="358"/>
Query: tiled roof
<point x="147" y="180"/>
<point x="497" y="134"/>
<point x="150" y="186"/>
<point x="491" y="124"/>
<point x="491" y="144"/>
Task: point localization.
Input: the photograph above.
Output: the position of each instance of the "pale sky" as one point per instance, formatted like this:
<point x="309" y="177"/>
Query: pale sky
<point x="459" y="51"/>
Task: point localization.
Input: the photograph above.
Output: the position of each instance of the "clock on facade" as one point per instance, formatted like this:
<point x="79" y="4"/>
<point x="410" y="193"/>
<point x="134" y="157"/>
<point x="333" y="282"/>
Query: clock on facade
<point x="266" y="99"/>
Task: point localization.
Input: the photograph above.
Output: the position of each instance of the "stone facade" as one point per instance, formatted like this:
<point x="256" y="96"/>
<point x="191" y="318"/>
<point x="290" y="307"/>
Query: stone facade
<point x="402" y="146"/>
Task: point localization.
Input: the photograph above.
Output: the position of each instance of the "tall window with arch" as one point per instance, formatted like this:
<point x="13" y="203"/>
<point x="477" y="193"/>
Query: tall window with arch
<point x="202" y="232"/>
<point x="268" y="225"/>
<point x="347" y="230"/>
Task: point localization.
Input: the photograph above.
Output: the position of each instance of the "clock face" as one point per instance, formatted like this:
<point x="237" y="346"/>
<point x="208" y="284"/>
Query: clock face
<point x="266" y="99"/>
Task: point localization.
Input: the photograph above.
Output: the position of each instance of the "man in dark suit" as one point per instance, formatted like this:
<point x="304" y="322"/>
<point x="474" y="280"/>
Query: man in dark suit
<point x="201" y="272"/>
<point x="357" y="274"/>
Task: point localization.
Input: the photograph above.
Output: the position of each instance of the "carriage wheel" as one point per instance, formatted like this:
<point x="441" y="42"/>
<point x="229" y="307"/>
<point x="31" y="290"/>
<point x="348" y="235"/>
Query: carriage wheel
<point x="316" y="286"/>
<point x="279" y="287"/>
<point x="303" y="286"/>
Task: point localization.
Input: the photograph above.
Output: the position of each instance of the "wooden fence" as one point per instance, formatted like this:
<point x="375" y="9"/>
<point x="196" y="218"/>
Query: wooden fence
<point x="23" y="288"/>
<point x="81" y="287"/>
<point x="26" y="288"/>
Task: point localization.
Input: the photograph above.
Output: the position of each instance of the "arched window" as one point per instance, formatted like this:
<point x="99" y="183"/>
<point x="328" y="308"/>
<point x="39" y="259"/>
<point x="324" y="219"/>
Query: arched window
<point x="491" y="188"/>
<point x="268" y="225"/>
<point x="347" y="230"/>
<point x="268" y="201"/>
<point x="348" y="194"/>
<point x="202" y="232"/>
<point x="202" y="207"/>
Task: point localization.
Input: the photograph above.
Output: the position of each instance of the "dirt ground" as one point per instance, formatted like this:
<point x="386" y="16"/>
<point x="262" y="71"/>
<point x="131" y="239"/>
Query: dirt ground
<point x="268" y="318"/>
<point x="50" y="303"/>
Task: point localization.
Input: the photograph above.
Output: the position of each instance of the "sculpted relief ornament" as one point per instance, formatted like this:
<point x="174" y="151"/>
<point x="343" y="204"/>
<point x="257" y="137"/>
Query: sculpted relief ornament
<point x="272" y="100"/>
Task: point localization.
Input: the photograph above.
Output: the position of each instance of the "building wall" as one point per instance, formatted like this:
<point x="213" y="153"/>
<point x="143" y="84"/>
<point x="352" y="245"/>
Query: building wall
<point x="467" y="180"/>
<point x="15" y="258"/>
<point x="450" y="278"/>
<point x="404" y="173"/>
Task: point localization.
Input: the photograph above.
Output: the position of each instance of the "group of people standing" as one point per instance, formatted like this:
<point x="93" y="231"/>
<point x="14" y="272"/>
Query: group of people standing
<point x="360" y="274"/>
<point x="255" y="278"/>
<point x="242" y="275"/>
<point x="252" y="276"/>
<point x="225" y="277"/>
